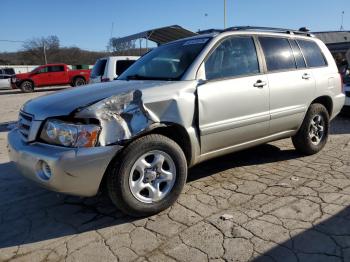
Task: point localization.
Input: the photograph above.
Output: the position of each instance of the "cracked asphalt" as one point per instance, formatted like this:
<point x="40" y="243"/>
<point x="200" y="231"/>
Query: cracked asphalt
<point x="263" y="204"/>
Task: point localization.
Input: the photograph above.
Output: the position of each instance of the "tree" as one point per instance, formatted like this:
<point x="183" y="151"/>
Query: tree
<point x="35" y="49"/>
<point x="115" y="46"/>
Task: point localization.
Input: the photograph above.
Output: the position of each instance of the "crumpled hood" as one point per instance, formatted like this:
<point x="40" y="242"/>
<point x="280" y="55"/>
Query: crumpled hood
<point x="66" y="101"/>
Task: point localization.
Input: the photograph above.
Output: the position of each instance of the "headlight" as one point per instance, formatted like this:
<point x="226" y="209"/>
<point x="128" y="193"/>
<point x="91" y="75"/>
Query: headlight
<point x="70" y="135"/>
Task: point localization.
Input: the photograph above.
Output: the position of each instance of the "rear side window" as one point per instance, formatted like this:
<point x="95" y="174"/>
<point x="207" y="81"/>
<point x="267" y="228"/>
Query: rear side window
<point x="235" y="56"/>
<point x="278" y="53"/>
<point x="99" y="68"/>
<point x="54" y="69"/>
<point x="299" y="59"/>
<point x="122" y="65"/>
<point x="312" y="53"/>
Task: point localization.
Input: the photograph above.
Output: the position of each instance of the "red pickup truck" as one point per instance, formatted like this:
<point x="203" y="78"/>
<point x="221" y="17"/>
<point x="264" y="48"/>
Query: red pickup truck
<point x="50" y="75"/>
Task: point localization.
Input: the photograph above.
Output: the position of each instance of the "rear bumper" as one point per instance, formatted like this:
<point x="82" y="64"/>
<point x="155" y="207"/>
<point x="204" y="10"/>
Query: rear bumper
<point x="74" y="171"/>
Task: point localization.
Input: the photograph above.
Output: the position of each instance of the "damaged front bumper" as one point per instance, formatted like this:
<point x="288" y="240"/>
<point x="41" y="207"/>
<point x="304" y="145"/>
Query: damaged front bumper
<point x="76" y="171"/>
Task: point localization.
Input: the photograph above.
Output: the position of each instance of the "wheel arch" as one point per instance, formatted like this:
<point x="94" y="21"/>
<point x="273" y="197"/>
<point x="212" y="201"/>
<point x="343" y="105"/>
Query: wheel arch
<point x="27" y="79"/>
<point x="326" y="101"/>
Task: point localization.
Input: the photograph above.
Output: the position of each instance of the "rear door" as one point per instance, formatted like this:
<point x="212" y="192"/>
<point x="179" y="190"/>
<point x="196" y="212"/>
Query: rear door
<point x="292" y="84"/>
<point x="234" y="102"/>
<point x="57" y="75"/>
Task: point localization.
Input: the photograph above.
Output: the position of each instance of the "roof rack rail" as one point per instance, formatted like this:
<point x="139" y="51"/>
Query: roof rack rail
<point x="301" y="31"/>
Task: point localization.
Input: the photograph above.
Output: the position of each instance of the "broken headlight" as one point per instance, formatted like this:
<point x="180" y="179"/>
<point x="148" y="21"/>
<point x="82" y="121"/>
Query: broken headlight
<point x="62" y="133"/>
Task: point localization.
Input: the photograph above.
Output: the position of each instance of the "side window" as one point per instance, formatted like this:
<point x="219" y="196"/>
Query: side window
<point x="278" y="53"/>
<point x="122" y="65"/>
<point x="299" y="59"/>
<point x="312" y="53"/>
<point x="233" y="57"/>
<point x="43" y="70"/>
<point x="54" y="69"/>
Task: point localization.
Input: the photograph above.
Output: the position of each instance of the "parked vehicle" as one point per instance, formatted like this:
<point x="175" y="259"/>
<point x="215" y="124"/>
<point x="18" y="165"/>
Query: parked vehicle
<point x="5" y="77"/>
<point x="182" y="103"/>
<point x="50" y="75"/>
<point x="109" y="68"/>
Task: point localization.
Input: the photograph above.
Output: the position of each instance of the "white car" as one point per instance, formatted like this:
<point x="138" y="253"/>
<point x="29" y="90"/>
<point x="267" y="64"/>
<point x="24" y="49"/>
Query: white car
<point x="109" y="68"/>
<point x="5" y="77"/>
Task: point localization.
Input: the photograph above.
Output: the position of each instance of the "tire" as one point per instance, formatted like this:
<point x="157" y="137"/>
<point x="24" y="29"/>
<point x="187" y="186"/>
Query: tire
<point x="310" y="138"/>
<point x="27" y="86"/>
<point x="79" y="81"/>
<point x="124" y="181"/>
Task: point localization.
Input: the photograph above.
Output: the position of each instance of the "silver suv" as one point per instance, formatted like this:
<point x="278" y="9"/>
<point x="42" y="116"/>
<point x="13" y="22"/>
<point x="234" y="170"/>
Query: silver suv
<point x="182" y="103"/>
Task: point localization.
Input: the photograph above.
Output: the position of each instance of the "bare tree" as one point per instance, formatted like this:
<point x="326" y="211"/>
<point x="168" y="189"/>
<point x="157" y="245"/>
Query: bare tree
<point x="35" y="49"/>
<point x="115" y="46"/>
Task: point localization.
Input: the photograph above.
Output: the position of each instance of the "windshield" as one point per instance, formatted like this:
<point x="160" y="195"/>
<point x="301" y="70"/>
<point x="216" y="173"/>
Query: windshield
<point x="167" y="62"/>
<point x="99" y="68"/>
<point x="35" y="69"/>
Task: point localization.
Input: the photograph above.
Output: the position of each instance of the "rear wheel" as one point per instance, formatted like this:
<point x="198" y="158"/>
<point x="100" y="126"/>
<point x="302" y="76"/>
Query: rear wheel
<point x="27" y="87"/>
<point x="313" y="133"/>
<point x="79" y="81"/>
<point x="148" y="177"/>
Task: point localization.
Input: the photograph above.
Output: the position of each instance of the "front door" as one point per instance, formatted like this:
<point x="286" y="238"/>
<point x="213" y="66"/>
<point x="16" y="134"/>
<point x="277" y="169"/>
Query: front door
<point x="234" y="101"/>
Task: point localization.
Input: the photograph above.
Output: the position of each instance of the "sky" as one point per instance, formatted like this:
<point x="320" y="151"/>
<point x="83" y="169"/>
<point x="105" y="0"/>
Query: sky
<point x="87" y="24"/>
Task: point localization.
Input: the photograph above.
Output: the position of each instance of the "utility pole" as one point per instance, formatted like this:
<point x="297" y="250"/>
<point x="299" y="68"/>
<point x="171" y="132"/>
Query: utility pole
<point x="342" y="21"/>
<point x="224" y="14"/>
<point x="45" y="54"/>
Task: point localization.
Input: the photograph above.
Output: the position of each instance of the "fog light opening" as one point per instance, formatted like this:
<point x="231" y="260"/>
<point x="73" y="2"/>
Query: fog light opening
<point x="44" y="170"/>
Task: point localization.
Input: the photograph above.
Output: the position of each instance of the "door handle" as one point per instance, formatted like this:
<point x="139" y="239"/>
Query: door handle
<point x="306" y="76"/>
<point x="260" y="84"/>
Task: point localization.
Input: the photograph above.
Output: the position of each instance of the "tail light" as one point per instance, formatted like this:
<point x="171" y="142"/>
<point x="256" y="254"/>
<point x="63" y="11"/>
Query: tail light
<point x="105" y="79"/>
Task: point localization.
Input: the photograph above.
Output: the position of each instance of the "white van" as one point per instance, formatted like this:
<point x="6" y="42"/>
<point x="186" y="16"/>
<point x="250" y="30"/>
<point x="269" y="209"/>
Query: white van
<point x="109" y="68"/>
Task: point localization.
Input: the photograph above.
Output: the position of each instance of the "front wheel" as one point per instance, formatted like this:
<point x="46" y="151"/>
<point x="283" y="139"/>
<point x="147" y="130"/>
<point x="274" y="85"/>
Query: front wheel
<point x="149" y="176"/>
<point x="313" y="133"/>
<point x="27" y="87"/>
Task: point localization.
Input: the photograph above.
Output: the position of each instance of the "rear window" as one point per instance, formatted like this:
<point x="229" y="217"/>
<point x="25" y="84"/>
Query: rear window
<point x="9" y="71"/>
<point x="312" y="53"/>
<point x="54" y="69"/>
<point x="278" y="53"/>
<point x="99" y="68"/>
<point x="122" y="65"/>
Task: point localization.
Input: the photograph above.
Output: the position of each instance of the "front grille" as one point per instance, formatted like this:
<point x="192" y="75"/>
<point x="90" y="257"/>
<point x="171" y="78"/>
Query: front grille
<point x="24" y="123"/>
<point x="347" y="93"/>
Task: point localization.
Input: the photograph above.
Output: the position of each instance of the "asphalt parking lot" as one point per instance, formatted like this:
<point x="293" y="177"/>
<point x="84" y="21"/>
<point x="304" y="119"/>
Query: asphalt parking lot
<point x="263" y="204"/>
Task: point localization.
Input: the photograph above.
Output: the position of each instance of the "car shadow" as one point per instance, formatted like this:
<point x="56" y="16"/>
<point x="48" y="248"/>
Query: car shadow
<point x="36" y="90"/>
<point x="30" y="214"/>
<point x="340" y="125"/>
<point x="266" y="153"/>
